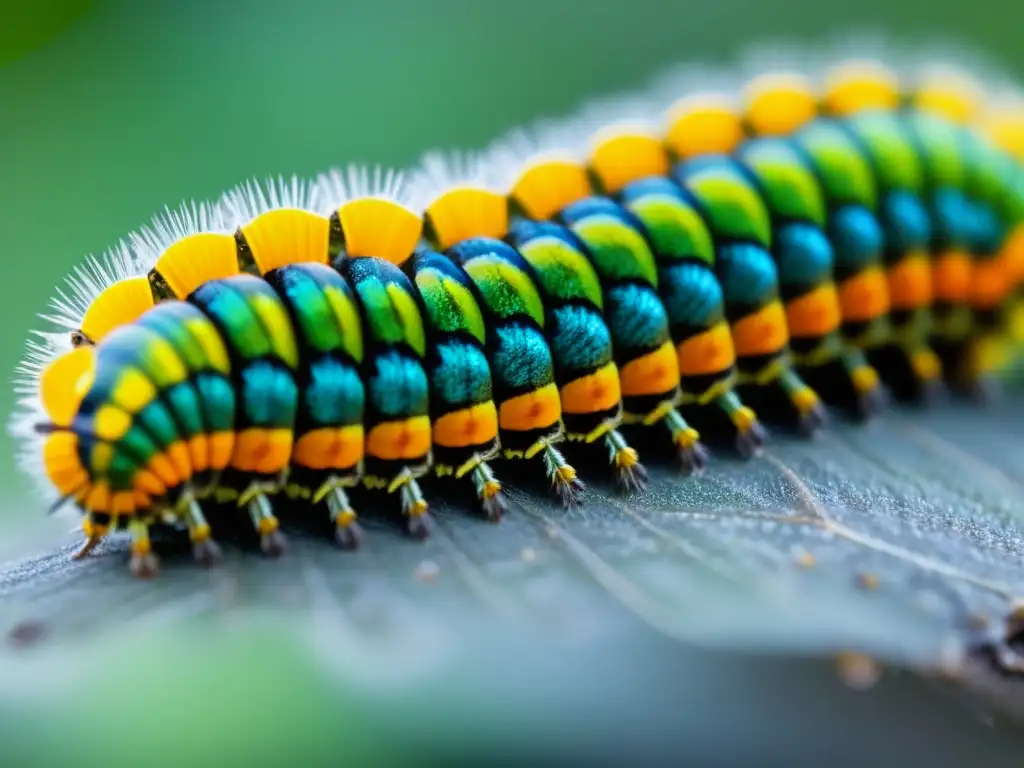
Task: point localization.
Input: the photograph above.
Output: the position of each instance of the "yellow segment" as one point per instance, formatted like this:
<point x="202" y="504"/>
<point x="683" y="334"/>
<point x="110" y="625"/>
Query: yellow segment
<point x="133" y="391"/>
<point x="544" y="188"/>
<point x="262" y="451"/>
<point x="703" y="125"/>
<point x="989" y="283"/>
<point x="617" y="160"/>
<point x="708" y="352"/>
<point x="538" y="409"/>
<point x="865" y="296"/>
<point x="118" y="304"/>
<point x="213" y="345"/>
<point x="655" y="373"/>
<point x="382" y="228"/>
<point x="330" y="448"/>
<point x="111" y="423"/>
<point x="762" y="333"/>
<point x="957" y="101"/>
<point x="278" y="325"/>
<point x="465" y="212"/>
<point x="403" y="439"/>
<point x="287" y="236"/>
<point x="815" y="314"/>
<point x="596" y="392"/>
<point x="65" y="382"/>
<point x="63" y="466"/>
<point x="471" y="426"/>
<point x="779" y="104"/>
<point x="100" y="458"/>
<point x="197" y="259"/>
<point x="910" y="282"/>
<point x="951" y="276"/>
<point x="1005" y="126"/>
<point x="858" y="86"/>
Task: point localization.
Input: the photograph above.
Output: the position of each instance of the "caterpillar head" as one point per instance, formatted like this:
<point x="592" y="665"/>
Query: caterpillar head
<point x="372" y="213"/>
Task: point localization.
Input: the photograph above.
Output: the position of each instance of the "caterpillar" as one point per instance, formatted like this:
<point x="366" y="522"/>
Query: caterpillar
<point x="658" y="266"/>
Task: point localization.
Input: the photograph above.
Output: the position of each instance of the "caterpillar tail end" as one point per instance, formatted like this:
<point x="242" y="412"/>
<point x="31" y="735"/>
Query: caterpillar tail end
<point x="564" y="481"/>
<point x="348" y="534"/>
<point x="414" y="506"/>
<point x="693" y="456"/>
<point x="488" y="491"/>
<point x="630" y="474"/>
<point x="144" y="562"/>
<point x="272" y="541"/>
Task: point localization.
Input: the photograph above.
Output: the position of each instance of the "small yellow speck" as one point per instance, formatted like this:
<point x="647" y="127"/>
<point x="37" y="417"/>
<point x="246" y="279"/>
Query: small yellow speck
<point x="804" y="558"/>
<point x="858" y="670"/>
<point x="867" y="581"/>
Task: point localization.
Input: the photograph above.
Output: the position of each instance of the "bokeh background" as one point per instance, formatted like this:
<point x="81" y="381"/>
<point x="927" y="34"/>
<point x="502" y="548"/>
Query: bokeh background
<point x="110" y="110"/>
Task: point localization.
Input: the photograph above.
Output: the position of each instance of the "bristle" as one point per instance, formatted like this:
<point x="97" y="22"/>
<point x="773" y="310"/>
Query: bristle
<point x="252" y="198"/>
<point x="89" y="280"/>
<point x="339" y="186"/>
<point x="174" y="225"/>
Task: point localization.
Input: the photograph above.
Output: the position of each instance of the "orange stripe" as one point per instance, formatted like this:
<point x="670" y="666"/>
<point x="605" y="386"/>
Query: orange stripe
<point x="815" y="314"/>
<point x="865" y="296"/>
<point x="951" y="277"/>
<point x="910" y="282"/>
<point x="330" y="448"/>
<point x="593" y="393"/>
<point x="655" y="373"/>
<point x="264" y="451"/>
<point x="475" y="425"/>
<point x="404" y="439"/>
<point x="534" y="410"/>
<point x="989" y="283"/>
<point x="709" y="352"/>
<point x="762" y="333"/>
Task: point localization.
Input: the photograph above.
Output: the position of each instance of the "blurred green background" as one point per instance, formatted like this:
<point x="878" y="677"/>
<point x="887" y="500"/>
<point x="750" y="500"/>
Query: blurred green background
<point x="112" y="110"/>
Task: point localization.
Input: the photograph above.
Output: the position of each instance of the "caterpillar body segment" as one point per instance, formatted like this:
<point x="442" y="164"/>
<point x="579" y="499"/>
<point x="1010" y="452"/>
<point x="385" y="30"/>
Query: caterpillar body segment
<point x="522" y="365"/>
<point x="560" y="208"/>
<point x="741" y="227"/>
<point x="465" y="418"/>
<point x="580" y="341"/>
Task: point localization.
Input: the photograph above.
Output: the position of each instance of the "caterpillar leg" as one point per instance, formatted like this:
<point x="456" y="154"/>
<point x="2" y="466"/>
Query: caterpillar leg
<point x="488" y="491"/>
<point x="693" y="456"/>
<point x="94" y="533"/>
<point x="204" y="548"/>
<point x="750" y="435"/>
<point x="272" y="541"/>
<point x="927" y="369"/>
<point x="563" y="477"/>
<point x="144" y="562"/>
<point x="348" y="534"/>
<point x="869" y="394"/>
<point x="414" y="506"/>
<point x="810" y="414"/>
<point x="630" y="474"/>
